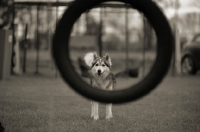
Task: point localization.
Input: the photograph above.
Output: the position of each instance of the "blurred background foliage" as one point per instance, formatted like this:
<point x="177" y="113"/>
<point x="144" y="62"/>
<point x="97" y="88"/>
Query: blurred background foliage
<point x="6" y="7"/>
<point x="130" y="42"/>
<point x="113" y="25"/>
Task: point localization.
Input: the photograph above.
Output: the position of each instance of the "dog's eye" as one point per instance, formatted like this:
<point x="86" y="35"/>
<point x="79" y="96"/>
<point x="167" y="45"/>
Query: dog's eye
<point x="96" y="64"/>
<point x="103" y="65"/>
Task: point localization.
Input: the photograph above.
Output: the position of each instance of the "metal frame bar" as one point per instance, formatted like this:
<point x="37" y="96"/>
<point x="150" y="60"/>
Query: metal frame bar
<point x="53" y="4"/>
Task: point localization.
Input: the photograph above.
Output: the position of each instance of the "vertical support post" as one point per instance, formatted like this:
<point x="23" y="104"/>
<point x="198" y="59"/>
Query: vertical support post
<point x="37" y="43"/>
<point x="144" y="44"/>
<point x="13" y="38"/>
<point x="173" y="61"/>
<point x="49" y="27"/>
<point x="177" y="42"/>
<point x="127" y="37"/>
<point x="25" y="46"/>
<point x="177" y="52"/>
<point x="15" y="49"/>
<point x="56" y="74"/>
<point x="199" y="19"/>
<point x="100" y="32"/>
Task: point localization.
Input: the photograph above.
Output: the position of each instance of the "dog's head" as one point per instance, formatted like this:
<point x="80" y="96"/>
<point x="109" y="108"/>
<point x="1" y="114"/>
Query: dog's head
<point x="100" y="66"/>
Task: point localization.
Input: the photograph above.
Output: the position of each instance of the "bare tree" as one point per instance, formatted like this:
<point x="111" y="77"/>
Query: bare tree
<point x="196" y="3"/>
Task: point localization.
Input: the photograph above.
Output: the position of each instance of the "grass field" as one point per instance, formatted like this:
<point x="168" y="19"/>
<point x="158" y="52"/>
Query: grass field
<point x="39" y="103"/>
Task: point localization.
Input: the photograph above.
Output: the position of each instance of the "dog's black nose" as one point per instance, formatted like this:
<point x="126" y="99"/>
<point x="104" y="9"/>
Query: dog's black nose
<point x="99" y="71"/>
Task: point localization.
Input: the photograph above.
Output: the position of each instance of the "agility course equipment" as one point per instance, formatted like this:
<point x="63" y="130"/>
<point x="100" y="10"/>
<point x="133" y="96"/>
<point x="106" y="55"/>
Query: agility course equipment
<point x="164" y="52"/>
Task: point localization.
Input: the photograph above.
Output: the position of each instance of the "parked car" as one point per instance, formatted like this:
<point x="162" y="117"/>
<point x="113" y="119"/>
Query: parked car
<point x="190" y="62"/>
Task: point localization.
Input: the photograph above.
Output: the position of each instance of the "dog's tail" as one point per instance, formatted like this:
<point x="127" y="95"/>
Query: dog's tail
<point x="89" y="58"/>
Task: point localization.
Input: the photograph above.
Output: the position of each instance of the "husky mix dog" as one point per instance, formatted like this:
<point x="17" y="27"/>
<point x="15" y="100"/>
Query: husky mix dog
<point x="100" y="77"/>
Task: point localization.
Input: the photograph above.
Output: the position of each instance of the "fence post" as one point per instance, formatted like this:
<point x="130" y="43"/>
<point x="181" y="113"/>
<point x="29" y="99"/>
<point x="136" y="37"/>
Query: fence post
<point x="5" y="53"/>
<point x="177" y="51"/>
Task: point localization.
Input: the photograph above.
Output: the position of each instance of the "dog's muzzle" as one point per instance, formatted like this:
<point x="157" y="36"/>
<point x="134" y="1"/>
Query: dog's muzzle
<point x="99" y="72"/>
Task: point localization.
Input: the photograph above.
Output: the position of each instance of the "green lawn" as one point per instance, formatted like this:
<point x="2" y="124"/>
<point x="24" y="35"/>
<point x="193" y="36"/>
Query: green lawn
<point x="30" y="103"/>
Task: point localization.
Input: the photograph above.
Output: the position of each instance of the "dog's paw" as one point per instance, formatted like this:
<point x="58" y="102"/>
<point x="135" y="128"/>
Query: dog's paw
<point x="92" y="115"/>
<point x="96" y="117"/>
<point x="109" y="116"/>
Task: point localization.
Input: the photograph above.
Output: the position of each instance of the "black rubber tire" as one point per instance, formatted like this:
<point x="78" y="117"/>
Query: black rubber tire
<point x="192" y="70"/>
<point x="165" y="44"/>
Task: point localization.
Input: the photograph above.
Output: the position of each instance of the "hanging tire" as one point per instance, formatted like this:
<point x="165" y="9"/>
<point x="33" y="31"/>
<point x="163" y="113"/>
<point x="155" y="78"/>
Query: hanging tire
<point x="165" y="44"/>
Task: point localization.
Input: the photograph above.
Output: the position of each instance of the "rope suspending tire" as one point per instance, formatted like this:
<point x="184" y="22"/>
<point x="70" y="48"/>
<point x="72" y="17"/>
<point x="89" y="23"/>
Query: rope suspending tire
<point x="61" y="55"/>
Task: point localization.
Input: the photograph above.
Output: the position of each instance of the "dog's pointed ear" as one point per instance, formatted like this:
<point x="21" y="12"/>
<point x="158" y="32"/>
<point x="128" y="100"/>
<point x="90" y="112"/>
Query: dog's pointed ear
<point x="89" y="58"/>
<point x="107" y="56"/>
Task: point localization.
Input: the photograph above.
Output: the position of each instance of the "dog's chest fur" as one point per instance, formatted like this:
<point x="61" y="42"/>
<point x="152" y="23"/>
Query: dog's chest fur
<point x="106" y="83"/>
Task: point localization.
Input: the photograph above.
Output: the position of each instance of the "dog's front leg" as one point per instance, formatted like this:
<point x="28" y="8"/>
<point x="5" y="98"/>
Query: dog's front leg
<point x="92" y="112"/>
<point x="109" y="111"/>
<point x="95" y="111"/>
<point x="109" y="107"/>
